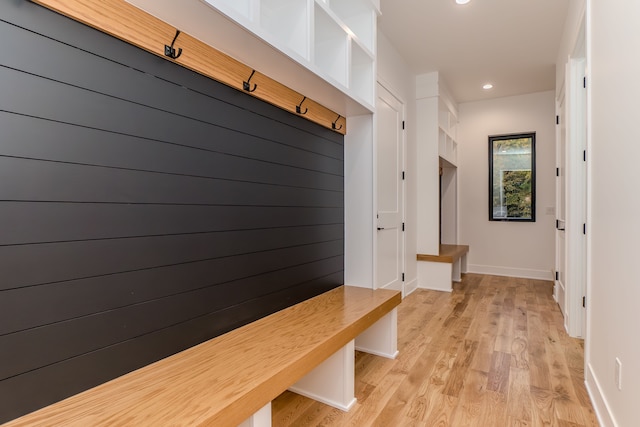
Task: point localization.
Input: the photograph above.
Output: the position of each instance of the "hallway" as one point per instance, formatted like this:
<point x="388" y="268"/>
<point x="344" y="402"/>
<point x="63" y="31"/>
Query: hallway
<point x="492" y="353"/>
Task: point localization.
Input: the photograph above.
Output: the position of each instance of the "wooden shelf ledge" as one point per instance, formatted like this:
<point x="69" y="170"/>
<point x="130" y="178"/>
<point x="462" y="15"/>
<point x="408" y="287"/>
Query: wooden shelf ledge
<point x="448" y="254"/>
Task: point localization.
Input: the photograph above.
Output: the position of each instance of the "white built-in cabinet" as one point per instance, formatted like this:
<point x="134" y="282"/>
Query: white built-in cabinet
<point x="323" y="49"/>
<point x="441" y="121"/>
<point x="437" y="152"/>
<point x="335" y="39"/>
<point x="437" y="160"/>
<point x="447" y="126"/>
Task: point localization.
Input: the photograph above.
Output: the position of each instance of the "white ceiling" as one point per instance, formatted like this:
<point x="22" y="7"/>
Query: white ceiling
<point x="510" y="43"/>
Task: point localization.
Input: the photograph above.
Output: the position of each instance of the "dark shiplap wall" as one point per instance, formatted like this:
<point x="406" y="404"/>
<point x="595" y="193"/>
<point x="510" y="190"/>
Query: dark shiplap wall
<point x="144" y="208"/>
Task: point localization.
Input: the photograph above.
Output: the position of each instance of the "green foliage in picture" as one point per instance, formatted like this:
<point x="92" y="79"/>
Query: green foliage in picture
<point x="517" y="193"/>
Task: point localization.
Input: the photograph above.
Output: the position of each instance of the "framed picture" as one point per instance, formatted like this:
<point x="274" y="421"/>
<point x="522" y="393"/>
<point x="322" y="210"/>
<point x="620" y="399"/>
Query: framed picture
<point x="512" y="177"/>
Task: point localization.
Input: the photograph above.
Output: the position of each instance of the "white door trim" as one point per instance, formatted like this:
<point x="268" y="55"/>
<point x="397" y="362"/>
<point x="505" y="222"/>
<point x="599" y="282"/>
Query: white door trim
<point x="575" y="169"/>
<point x="380" y="89"/>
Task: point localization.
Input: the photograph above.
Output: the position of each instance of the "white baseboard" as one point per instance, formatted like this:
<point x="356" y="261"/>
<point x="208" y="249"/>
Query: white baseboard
<point x="600" y="405"/>
<point x="345" y="407"/>
<point x="433" y="288"/>
<point x="410" y="286"/>
<point x="510" y="272"/>
<point x="391" y="356"/>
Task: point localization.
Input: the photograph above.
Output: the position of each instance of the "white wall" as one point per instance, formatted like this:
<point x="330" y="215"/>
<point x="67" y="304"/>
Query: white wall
<point x="395" y="75"/>
<point x="359" y="205"/>
<point x="572" y="26"/>
<point x="613" y="227"/>
<point x="430" y="93"/>
<point x="506" y="248"/>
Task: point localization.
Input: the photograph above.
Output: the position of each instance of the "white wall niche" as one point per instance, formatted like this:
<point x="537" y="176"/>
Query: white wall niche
<point x="239" y="10"/>
<point x="287" y="22"/>
<point x="359" y="17"/>
<point x="330" y="47"/>
<point x="362" y="74"/>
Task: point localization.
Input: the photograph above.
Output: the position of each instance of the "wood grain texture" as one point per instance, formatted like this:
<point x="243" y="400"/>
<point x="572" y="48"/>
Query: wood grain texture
<point x="491" y="353"/>
<point x="223" y="381"/>
<point x="126" y="22"/>
<point x="448" y="254"/>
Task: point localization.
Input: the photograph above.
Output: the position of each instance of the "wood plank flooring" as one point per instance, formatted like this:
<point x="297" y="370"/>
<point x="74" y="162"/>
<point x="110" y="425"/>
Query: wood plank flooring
<point x="492" y="353"/>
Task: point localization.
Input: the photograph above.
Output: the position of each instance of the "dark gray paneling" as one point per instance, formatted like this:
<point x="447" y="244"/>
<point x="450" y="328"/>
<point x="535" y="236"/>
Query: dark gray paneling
<point x="145" y="208"/>
<point x="78" y="259"/>
<point x="32" y="306"/>
<point x="30" y="95"/>
<point x="29" y="222"/>
<point x="199" y="139"/>
<point x="53" y="181"/>
<point x="35" y="389"/>
<point x="51" y="59"/>
<point x="23" y="136"/>
<point x="39" y="347"/>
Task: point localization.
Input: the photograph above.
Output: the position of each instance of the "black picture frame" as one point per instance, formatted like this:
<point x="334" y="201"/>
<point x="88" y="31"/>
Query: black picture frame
<point x="512" y="177"/>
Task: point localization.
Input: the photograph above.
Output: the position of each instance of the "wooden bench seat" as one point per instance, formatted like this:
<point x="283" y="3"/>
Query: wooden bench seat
<point x="224" y="381"/>
<point x="448" y="253"/>
<point x="435" y="274"/>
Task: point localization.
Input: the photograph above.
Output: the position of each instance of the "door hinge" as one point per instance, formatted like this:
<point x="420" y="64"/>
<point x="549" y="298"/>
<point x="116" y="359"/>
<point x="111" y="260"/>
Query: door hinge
<point x="403" y="277"/>
<point x="403" y="124"/>
<point x="557" y="171"/>
<point x="584" y="302"/>
<point x="557" y="119"/>
<point x="403" y="226"/>
<point x="584" y="228"/>
<point x="403" y="175"/>
<point x="557" y="276"/>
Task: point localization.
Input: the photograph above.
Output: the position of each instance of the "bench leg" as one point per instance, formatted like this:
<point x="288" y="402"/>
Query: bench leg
<point x="262" y="418"/>
<point x="459" y="267"/>
<point x="381" y="338"/>
<point x="331" y="382"/>
<point x="455" y="274"/>
<point x="435" y="276"/>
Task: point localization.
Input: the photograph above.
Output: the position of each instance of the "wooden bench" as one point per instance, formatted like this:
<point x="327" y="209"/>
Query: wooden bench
<point x="443" y="268"/>
<point x="231" y="380"/>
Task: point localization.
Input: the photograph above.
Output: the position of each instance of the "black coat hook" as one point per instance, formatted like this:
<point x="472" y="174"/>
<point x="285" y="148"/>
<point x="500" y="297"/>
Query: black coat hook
<point x="299" y="107"/>
<point x="247" y="85"/>
<point x="170" y="51"/>
<point x="333" y="125"/>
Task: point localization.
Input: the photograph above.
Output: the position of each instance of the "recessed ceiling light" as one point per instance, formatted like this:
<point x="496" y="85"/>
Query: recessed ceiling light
<point x="487" y="86"/>
<point x="462" y="1"/>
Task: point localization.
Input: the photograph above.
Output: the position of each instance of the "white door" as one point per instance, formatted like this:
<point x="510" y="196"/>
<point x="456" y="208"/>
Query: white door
<point x="390" y="203"/>
<point x="571" y="193"/>
<point x="576" y="161"/>
<point x="561" y="200"/>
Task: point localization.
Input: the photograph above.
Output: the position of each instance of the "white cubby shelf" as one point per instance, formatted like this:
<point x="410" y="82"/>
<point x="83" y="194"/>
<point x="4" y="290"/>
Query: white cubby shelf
<point x="335" y="39"/>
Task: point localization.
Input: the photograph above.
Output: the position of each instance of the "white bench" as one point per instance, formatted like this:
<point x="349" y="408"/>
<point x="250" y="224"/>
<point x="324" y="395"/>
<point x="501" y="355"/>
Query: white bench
<point x="438" y="271"/>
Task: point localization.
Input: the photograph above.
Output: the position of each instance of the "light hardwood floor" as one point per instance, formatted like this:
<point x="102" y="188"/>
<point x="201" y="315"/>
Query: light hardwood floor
<point x="492" y="353"/>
